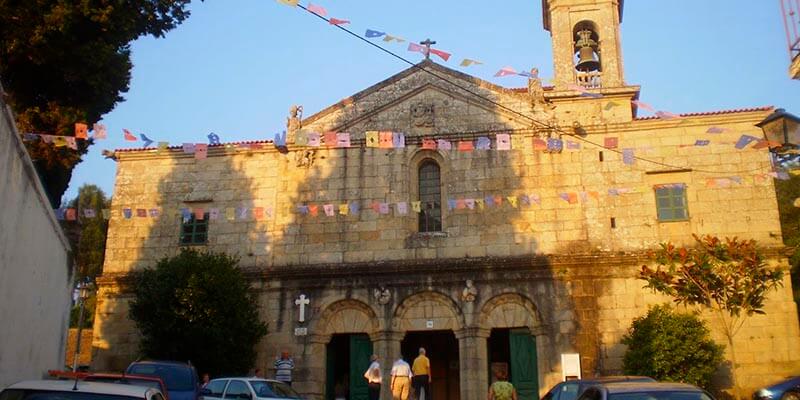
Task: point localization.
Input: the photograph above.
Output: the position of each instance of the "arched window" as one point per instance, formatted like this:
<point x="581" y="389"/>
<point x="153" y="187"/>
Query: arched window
<point x="430" y="197"/>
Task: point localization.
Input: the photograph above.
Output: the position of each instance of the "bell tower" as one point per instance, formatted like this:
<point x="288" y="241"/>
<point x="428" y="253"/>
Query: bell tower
<point x="586" y="42"/>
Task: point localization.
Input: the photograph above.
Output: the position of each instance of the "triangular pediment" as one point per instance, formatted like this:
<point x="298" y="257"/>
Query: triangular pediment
<point x="427" y="98"/>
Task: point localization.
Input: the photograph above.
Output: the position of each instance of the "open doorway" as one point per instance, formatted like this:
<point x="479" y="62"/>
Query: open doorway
<point x="347" y="360"/>
<point x="514" y="350"/>
<point x="442" y="350"/>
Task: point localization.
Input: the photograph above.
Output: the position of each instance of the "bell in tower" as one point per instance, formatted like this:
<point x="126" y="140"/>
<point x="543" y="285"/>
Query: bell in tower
<point x="586" y="48"/>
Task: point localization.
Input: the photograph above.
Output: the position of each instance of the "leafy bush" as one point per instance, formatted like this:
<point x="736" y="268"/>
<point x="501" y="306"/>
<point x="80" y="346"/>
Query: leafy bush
<point x="198" y="307"/>
<point x="671" y="346"/>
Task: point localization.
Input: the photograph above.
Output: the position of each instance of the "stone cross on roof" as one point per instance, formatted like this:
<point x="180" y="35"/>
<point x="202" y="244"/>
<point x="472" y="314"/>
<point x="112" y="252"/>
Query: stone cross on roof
<point x="427" y="43"/>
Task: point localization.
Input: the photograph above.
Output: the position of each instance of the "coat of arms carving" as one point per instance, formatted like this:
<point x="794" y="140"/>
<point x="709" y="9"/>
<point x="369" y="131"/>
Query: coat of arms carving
<point x="422" y="115"/>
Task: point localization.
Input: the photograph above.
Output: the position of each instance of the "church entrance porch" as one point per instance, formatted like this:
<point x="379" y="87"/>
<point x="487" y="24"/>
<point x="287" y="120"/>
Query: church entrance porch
<point x="347" y="358"/>
<point x="514" y="351"/>
<point x="442" y="350"/>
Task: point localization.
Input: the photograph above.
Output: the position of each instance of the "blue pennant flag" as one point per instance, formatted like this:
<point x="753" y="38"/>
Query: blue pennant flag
<point x="213" y="138"/>
<point x="146" y="140"/>
<point x="373" y="34"/>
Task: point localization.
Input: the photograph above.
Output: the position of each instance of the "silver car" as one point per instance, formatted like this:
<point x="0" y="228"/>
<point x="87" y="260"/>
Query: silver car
<point x="645" y="391"/>
<point x="241" y="388"/>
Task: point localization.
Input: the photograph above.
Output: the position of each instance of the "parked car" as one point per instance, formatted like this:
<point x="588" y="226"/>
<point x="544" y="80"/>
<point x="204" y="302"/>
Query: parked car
<point x="130" y="379"/>
<point x="777" y="391"/>
<point x="77" y="390"/>
<point x="570" y="390"/>
<point x="248" y="388"/>
<point x="644" y="391"/>
<point x="181" y="378"/>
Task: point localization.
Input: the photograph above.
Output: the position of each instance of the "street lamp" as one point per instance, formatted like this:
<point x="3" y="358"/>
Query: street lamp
<point x="783" y="128"/>
<point x="84" y="290"/>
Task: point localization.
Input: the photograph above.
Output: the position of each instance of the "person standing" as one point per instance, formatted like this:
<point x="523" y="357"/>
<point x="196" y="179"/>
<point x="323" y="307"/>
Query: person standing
<point x="422" y="375"/>
<point x="401" y="379"/>
<point x="206" y="380"/>
<point x="374" y="378"/>
<point x="502" y="389"/>
<point x="283" y="368"/>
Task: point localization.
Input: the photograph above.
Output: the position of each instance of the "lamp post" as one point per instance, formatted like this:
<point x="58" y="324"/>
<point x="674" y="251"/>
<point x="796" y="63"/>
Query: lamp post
<point x="84" y="289"/>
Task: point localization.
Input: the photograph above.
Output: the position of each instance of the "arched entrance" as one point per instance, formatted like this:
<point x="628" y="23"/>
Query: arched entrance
<point x="347" y="325"/>
<point x="513" y="323"/>
<point x="430" y="320"/>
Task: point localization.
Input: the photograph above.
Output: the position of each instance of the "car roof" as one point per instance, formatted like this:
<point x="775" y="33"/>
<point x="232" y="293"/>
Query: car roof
<point x="88" y="387"/>
<point x="633" y="387"/>
<point x="124" y="376"/>
<point x="178" y="363"/>
<point x="247" y="378"/>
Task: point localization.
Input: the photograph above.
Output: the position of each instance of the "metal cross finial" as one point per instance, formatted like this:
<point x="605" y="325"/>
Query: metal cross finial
<point x="427" y="43"/>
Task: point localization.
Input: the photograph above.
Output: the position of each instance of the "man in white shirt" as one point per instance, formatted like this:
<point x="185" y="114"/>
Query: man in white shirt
<point x="374" y="378"/>
<point x="401" y="379"/>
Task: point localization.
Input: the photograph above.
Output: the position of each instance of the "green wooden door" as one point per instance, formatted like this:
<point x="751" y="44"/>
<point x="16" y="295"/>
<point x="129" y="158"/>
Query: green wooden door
<point x="360" y="352"/>
<point x="330" y="374"/>
<point x="524" y="372"/>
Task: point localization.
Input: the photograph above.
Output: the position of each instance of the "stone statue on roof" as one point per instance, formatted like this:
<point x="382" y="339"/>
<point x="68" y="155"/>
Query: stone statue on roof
<point x="293" y="123"/>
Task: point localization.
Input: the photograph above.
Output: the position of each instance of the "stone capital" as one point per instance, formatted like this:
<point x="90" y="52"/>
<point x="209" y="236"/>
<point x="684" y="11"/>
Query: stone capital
<point x="389" y="336"/>
<point x="472" y="332"/>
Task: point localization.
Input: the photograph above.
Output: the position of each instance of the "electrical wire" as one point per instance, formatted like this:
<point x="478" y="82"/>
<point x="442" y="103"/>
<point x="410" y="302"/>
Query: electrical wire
<point x="486" y="99"/>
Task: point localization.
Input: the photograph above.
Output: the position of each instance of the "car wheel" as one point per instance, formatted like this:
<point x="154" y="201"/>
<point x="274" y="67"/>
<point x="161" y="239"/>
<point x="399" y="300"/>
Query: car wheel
<point x="792" y="395"/>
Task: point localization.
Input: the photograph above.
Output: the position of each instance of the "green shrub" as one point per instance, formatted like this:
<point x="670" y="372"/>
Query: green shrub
<point x="198" y="307"/>
<point x="671" y="346"/>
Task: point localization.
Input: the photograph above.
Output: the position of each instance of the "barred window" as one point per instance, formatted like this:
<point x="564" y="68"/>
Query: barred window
<point x="194" y="230"/>
<point x="671" y="202"/>
<point x="430" y="197"/>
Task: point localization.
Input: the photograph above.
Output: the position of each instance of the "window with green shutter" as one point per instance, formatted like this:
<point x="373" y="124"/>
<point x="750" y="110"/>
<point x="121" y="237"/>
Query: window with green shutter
<point x="194" y="230"/>
<point x="671" y="202"/>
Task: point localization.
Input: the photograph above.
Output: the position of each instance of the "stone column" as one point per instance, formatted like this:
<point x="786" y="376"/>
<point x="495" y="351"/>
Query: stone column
<point x="474" y="362"/>
<point x="313" y="384"/>
<point x="386" y="345"/>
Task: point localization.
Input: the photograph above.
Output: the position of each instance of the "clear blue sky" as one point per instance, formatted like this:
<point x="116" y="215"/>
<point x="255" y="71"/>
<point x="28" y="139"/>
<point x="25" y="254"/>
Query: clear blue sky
<point x="234" y="68"/>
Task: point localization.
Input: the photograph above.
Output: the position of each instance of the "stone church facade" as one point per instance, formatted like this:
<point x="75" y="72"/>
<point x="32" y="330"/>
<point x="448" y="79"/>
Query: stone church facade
<point x="536" y="285"/>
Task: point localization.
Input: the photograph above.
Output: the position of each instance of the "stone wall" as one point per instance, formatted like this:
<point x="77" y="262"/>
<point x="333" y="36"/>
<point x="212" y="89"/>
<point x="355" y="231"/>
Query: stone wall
<point x="35" y="267"/>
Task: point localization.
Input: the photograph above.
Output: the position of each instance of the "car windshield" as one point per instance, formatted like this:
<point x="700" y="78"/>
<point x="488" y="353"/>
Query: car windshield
<point x="29" y="394"/>
<point x="660" y="395"/>
<point x="262" y="389"/>
<point x="174" y="376"/>
<point x="569" y="391"/>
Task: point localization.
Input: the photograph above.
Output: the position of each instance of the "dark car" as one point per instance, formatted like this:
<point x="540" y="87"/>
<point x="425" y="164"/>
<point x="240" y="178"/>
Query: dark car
<point x="780" y="390"/>
<point x="570" y="390"/>
<point x="181" y="378"/>
<point x="644" y="391"/>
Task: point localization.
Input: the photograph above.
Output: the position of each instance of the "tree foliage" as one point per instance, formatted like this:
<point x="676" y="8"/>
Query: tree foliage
<point x="87" y="237"/>
<point x="728" y="277"/>
<point x="198" y="306"/>
<point x="63" y="62"/>
<point x="671" y="346"/>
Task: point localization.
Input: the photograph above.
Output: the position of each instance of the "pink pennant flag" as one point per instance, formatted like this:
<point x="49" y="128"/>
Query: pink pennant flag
<point x="129" y="136"/>
<point x="71" y="142"/>
<point x="319" y="10"/>
<point x="442" y="54"/>
<point x="336" y="21"/>
<point x="444" y="144"/>
<point x="505" y="71"/>
<point x="386" y="140"/>
<point x="99" y="131"/>
<point x="643" y="105"/>
<point x="200" y="151"/>
<point x="402" y="208"/>
<point x="343" y="139"/>
<point x="330" y="139"/>
<point x="428" y="144"/>
<point x="503" y="141"/>
<point x="667" y="115"/>
<point x="539" y="144"/>
<point x="313" y="139"/>
<point x="416" y="48"/>
<point x="328" y="209"/>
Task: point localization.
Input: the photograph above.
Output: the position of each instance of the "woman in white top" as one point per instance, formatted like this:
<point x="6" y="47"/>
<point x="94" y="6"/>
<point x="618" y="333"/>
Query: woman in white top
<point x="373" y="376"/>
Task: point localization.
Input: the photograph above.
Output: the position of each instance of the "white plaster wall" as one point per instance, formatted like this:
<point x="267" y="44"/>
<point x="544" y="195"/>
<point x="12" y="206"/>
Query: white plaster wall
<point x="35" y="272"/>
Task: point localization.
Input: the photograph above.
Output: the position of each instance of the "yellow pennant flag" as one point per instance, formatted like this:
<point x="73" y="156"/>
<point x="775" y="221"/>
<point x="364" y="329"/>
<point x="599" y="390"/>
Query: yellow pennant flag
<point x="512" y="200"/>
<point x="292" y="3"/>
<point x="389" y="38"/>
<point x="344" y="209"/>
<point x="518" y="142"/>
<point x="795" y="172"/>
<point x="467" y="62"/>
<point x="416" y="206"/>
<point x="481" y="204"/>
<point x="230" y="213"/>
<point x="59" y="141"/>
<point x="372" y="139"/>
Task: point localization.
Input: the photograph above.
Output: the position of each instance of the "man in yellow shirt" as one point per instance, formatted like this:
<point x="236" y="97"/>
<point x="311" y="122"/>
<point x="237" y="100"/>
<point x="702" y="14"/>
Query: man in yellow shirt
<point x="422" y="375"/>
